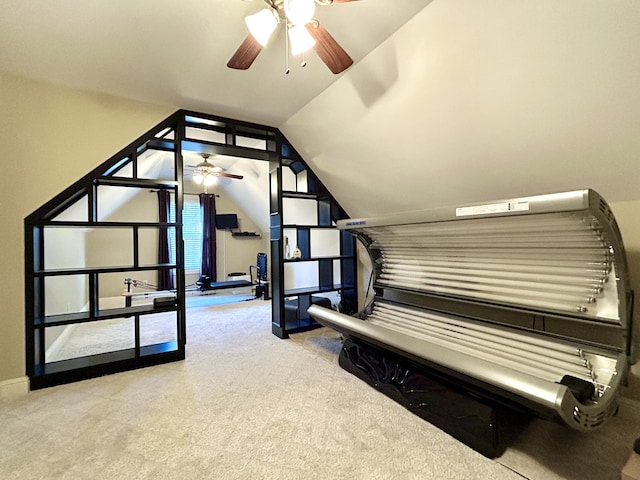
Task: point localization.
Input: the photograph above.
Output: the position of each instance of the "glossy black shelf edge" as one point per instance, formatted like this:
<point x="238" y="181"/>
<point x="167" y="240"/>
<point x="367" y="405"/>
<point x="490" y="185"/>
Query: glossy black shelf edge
<point x="303" y="195"/>
<point x="217" y="148"/>
<point x="136" y="182"/>
<point x="315" y="259"/>
<point x="310" y="227"/>
<point x="106" y="314"/>
<point x="89" y="270"/>
<point x="246" y="235"/>
<point x="83" y="368"/>
<point x="302" y="326"/>
<point x="99" y="224"/>
<point x="317" y="289"/>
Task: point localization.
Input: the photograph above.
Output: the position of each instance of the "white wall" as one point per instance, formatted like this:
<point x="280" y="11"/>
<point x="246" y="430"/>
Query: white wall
<point x="236" y="254"/>
<point x="50" y="136"/>
<point x="475" y="100"/>
<point x="114" y="247"/>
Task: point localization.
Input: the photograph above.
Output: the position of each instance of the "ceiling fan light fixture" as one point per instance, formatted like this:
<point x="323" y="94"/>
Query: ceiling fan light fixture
<point x="209" y="180"/>
<point x="261" y="25"/>
<point x="198" y="177"/>
<point x="299" y="12"/>
<point x="301" y="39"/>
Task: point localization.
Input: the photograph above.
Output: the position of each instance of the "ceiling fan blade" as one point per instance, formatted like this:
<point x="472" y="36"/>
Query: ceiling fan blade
<point x="245" y="54"/>
<point x="329" y="51"/>
<point x="230" y="175"/>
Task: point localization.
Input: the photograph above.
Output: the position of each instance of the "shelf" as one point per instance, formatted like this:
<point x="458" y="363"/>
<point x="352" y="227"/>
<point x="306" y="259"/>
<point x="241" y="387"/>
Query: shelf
<point x="101" y="358"/>
<point x="161" y="144"/>
<point x="315" y="259"/>
<point x="106" y="314"/>
<point x="81" y="368"/>
<point x="246" y="234"/>
<point x="81" y="224"/>
<point x="302" y="325"/>
<point x="136" y="183"/>
<point x="316" y="289"/>
<point x="303" y="195"/>
<point x="216" y="148"/>
<point x="89" y="270"/>
<point x="299" y="226"/>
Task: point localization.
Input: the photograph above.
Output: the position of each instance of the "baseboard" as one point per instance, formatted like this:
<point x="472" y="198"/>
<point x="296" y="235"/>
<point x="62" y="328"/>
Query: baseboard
<point x="14" y="388"/>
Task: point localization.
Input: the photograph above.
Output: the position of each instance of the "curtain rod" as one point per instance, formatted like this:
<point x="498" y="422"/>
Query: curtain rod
<point x="192" y="194"/>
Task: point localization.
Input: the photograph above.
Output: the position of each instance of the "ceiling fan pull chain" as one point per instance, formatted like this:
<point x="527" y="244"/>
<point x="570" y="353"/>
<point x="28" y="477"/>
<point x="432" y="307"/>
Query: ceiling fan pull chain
<point x="304" y="61"/>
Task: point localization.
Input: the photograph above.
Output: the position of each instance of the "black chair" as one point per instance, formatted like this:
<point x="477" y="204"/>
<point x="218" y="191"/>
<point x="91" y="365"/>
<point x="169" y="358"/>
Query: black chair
<point x="262" y="286"/>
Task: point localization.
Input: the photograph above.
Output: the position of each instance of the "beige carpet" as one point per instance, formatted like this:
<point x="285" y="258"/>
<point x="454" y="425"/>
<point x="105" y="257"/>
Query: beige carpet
<point x="246" y="405"/>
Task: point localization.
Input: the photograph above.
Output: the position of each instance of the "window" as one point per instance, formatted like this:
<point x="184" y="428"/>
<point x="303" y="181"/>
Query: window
<point x="191" y="233"/>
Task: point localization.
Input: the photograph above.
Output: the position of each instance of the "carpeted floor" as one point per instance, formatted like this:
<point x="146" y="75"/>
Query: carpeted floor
<point x="247" y="405"/>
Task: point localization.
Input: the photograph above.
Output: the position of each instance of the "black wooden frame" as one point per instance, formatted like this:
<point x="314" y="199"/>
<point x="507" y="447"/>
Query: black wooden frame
<point x="277" y="151"/>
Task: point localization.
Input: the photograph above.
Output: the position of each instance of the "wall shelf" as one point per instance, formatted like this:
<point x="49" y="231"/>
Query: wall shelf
<point x="245" y="235"/>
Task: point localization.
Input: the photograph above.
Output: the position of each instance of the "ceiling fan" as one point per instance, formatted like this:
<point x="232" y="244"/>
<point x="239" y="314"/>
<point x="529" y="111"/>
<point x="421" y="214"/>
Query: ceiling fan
<point x="205" y="173"/>
<point x="303" y="32"/>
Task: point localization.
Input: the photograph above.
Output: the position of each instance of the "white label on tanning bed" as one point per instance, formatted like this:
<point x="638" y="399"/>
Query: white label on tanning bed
<point x="492" y="208"/>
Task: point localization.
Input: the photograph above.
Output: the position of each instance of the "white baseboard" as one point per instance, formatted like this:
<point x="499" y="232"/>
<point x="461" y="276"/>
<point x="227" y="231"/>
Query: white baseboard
<point x="14" y="388"/>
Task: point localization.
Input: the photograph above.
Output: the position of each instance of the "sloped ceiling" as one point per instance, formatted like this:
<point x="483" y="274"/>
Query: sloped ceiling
<point x="251" y="193"/>
<point x="482" y="100"/>
<point x="449" y="102"/>
<point x="175" y="52"/>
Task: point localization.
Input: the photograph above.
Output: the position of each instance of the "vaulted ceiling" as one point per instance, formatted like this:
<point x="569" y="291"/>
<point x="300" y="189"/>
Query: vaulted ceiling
<point x="175" y="52"/>
<point x="448" y="102"/>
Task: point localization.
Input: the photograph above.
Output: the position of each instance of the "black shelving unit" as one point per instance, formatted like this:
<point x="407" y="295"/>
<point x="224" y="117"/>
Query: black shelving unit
<point x="335" y="274"/>
<point x="124" y="172"/>
<point x="44" y="282"/>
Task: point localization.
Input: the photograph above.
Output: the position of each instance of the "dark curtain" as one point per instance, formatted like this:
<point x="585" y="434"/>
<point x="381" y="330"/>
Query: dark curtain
<point x="208" y="206"/>
<point x="165" y="276"/>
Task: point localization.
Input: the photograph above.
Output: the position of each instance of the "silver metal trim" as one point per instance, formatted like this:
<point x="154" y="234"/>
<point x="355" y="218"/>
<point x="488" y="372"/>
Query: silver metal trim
<point x="555" y="202"/>
<point x="551" y="395"/>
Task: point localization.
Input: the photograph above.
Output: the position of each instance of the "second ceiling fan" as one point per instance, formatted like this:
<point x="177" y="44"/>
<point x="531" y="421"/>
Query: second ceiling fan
<point x="303" y="32"/>
<point x="205" y="173"/>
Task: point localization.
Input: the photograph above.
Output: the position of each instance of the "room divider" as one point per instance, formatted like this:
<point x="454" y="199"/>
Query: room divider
<point x="104" y="229"/>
